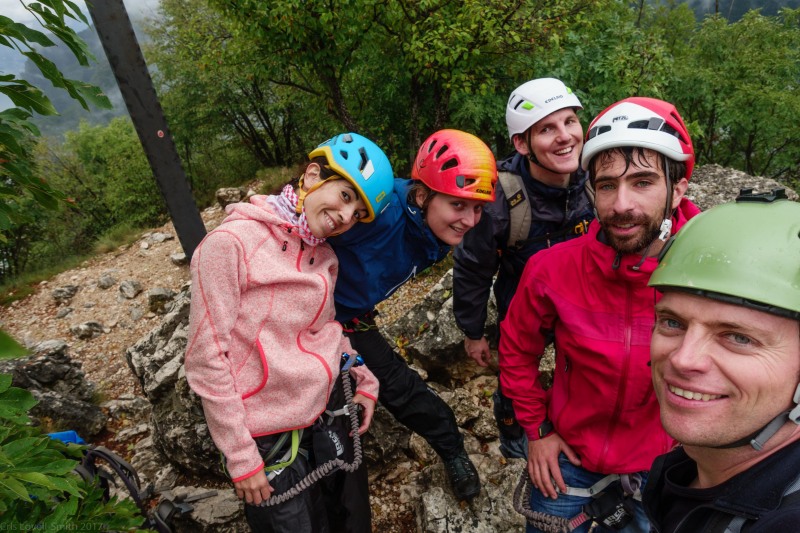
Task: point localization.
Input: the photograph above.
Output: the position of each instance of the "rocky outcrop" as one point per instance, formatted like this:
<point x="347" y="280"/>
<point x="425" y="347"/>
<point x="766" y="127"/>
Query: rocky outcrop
<point x="231" y="195"/>
<point x="713" y="185"/>
<point x="59" y="385"/>
<point x="179" y="430"/>
<point x="158" y="300"/>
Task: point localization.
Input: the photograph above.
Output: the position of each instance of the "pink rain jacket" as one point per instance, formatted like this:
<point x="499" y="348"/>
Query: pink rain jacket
<point x="602" y="402"/>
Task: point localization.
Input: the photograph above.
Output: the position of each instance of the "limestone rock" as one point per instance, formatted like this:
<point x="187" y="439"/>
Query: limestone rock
<point x="63" y="295"/>
<point x="130" y="289"/>
<point x="158" y="300"/>
<point x="231" y="195"/>
<point x="179" y="259"/>
<point x="87" y="330"/>
<point x="64" y="311"/>
<point x="60" y="386"/>
<point x="220" y="513"/>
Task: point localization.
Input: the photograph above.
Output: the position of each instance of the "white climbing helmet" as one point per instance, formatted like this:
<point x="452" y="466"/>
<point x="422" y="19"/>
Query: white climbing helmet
<point x="533" y="100"/>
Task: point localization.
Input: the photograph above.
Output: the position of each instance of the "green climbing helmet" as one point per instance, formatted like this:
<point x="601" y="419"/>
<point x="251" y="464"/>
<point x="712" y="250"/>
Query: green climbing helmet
<point x="745" y="252"/>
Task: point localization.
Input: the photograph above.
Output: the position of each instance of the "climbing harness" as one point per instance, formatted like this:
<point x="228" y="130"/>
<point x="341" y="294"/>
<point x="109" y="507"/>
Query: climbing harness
<point x="274" y="469"/>
<point x="364" y="322"/>
<point x="611" y="504"/>
<point x="337" y="463"/>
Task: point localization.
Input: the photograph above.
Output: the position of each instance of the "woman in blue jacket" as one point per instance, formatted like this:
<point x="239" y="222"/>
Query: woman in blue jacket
<point x="453" y="177"/>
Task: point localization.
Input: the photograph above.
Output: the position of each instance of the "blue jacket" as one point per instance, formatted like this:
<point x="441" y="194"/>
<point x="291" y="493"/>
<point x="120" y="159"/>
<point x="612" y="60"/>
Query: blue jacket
<point x="376" y="259"/>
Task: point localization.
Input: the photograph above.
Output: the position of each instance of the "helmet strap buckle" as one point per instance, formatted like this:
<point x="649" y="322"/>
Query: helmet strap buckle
<point x="665" y="229"/>
<point x="794" y="414"/>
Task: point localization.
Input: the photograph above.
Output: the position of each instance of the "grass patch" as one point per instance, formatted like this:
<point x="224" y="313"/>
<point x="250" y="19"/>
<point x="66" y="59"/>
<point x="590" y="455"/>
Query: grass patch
<point x="26" y="284"/>
<point x="115" y="237"/>
<point x="273" y="179"/>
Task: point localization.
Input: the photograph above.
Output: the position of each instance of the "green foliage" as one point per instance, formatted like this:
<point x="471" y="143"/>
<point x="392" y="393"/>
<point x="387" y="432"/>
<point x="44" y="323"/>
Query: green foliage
<point x="16" y="126"/>
<point x="38" y="490"/>
<point x="9" y="348"/>
<point x="738" y="84"/>
<point x="110" y="184"/>
<point x="117" y="236"/>
<point x="70" y="111"/>
<point x="215" y="90"/>
<point x="396" y="70"/>
<point x="115" y="175"/>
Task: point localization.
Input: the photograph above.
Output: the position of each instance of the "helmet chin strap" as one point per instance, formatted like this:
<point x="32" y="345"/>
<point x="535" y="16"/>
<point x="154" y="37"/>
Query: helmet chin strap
<point x="758" y="439"/>
<point x="666" y="225"/>
<point x="665" y="229"/>
<point x="532" y="157"/>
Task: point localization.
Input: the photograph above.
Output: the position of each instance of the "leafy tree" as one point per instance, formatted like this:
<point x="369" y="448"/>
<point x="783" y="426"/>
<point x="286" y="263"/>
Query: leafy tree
<point x="16" y="126"/>
<point x="395" y="70"/>
<point x="117" y="179"/>
<point x="38" y="489"/>
<point x="71" y="111"/>
<point x="209" y="83"/>
<point x="738" y="83"/>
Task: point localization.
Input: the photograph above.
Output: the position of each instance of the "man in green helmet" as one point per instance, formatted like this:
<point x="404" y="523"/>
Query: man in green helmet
<point x="725" y="357"/>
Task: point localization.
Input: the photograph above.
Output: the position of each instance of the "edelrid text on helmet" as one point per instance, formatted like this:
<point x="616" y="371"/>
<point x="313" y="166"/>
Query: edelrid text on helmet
<point x="640" y="122"/>
<point x="532" y="101"/>
<point x="746" y="253"/>
<point x="362" y="163"/>
<point x="456" y="163"/>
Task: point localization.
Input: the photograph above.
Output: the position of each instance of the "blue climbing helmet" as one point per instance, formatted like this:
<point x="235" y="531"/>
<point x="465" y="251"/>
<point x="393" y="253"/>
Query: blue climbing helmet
<point x="362" y="163"/>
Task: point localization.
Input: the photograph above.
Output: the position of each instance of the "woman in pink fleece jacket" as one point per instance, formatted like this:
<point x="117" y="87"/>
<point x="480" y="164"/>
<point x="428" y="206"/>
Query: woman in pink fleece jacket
<point x="264" y="350"/>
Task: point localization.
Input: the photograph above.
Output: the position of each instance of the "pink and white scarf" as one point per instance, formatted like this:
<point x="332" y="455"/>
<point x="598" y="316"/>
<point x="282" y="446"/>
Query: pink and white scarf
<point x="285" y="205"/>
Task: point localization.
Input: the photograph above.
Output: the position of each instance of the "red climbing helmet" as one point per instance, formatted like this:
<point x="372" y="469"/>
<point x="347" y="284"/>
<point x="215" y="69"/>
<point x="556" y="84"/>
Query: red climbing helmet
<point x="641" y="122"/>
<point x="456" y="163"/>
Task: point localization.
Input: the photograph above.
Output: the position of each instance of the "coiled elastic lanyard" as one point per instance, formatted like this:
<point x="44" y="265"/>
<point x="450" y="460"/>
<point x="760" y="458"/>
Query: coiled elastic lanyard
<point x="334" y="464"/>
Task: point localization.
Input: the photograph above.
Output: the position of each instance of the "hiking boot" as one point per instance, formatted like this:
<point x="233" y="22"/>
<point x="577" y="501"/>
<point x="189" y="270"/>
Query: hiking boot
<point x="463" y="477"/>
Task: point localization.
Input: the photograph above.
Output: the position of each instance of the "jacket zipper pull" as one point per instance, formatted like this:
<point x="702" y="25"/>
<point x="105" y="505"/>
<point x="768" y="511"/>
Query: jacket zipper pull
<point x="283" y="248"/>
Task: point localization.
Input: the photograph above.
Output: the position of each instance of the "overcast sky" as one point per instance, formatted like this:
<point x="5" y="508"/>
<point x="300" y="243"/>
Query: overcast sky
<point x="136" y="9"/>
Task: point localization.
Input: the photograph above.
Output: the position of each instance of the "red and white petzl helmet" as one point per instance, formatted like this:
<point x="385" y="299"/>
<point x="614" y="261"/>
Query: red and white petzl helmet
<point x="641" y="122"/>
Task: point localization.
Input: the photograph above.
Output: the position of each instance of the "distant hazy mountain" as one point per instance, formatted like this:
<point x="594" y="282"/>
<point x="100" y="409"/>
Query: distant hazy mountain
<point x="734" y="9"/>
<point x="70" y="111"/>
<point x="98" y="73"/>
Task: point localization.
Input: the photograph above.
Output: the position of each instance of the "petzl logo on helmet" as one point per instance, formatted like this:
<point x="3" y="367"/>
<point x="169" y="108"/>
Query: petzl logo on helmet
<point x="553" y="98"/>
<point x="621" y="117"/>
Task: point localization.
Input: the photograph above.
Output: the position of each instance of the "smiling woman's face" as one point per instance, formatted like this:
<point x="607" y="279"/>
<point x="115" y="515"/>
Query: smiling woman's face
<point x="332" y="208"/>
<point x="450" y="217"/>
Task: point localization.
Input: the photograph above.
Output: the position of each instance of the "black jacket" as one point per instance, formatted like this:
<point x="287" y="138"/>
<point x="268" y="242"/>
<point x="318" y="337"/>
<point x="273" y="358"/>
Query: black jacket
<point x="556" y="212"/>
<point x="755" y="495"/>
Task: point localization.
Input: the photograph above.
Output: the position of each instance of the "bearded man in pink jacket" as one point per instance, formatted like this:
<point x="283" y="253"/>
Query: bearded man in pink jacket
<point x="598" y="429"/>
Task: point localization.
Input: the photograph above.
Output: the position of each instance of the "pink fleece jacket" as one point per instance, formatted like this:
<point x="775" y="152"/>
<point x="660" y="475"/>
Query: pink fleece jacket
<point x="263" y="349"/>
